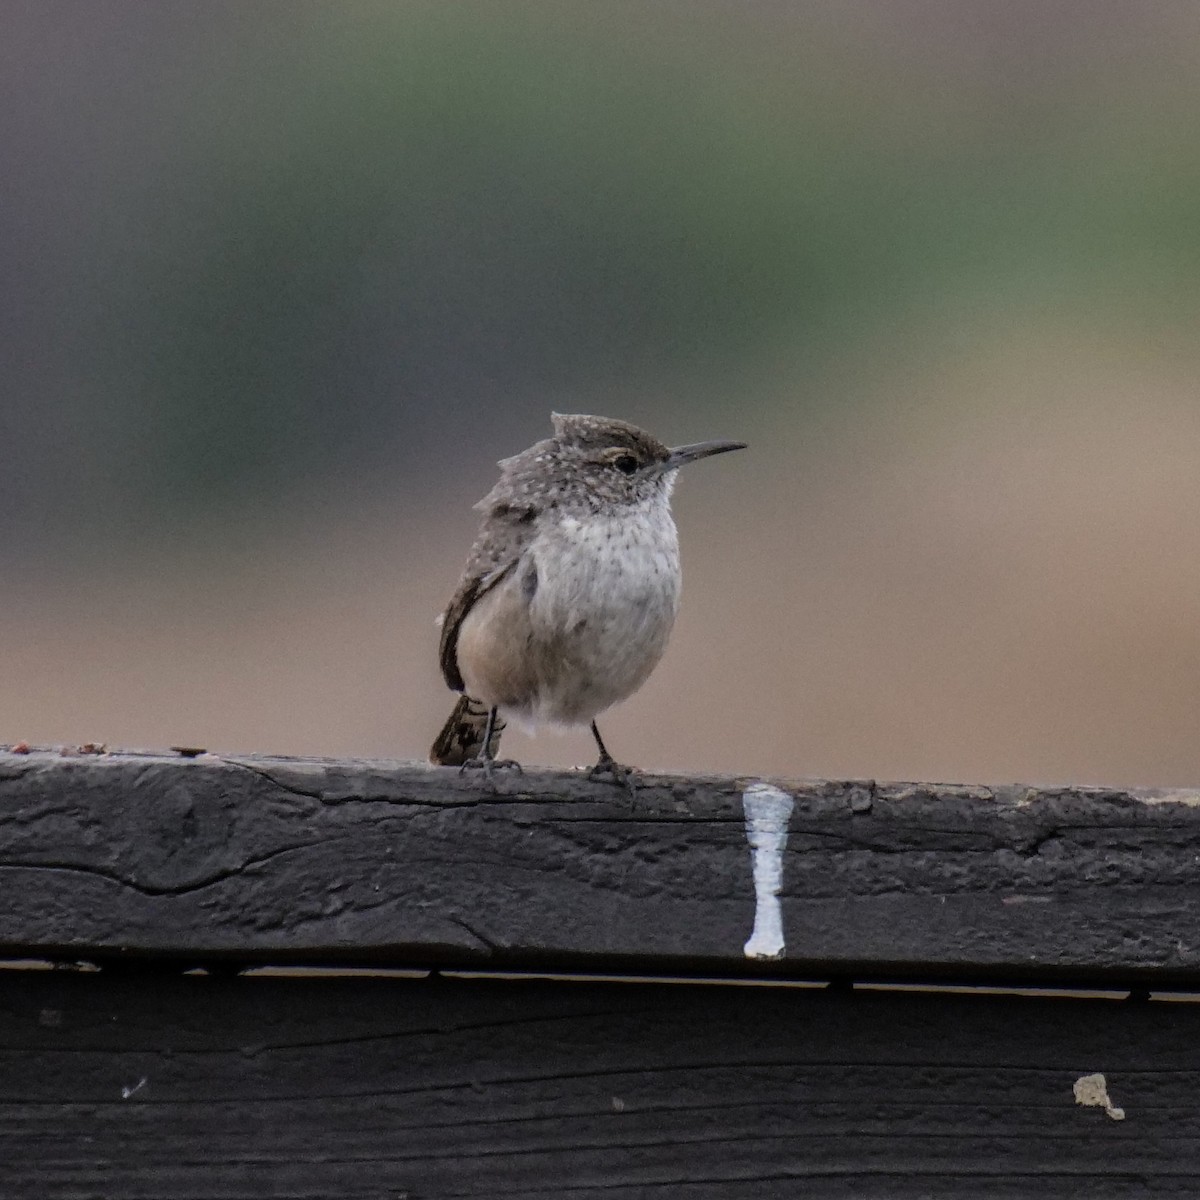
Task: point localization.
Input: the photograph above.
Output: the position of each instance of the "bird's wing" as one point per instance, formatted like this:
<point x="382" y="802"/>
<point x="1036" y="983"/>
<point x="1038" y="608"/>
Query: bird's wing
<point x="496" y="552"/>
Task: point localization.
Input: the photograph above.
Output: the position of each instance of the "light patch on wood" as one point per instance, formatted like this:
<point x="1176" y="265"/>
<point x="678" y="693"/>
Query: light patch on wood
<point x="767" y="811"/>
<point x="1092" y="1091"/>
<point x="1172" y="796"/>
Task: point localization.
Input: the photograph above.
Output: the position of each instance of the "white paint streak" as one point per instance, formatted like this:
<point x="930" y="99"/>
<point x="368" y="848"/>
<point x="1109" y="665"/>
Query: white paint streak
<point x="126" y="1092"/>
<point x="767" y="811"/>
<point x="1092" y="1091"/>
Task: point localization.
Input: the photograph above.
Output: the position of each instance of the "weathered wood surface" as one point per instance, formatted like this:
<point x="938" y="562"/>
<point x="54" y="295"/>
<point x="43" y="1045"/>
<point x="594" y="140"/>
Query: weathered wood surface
<point x="274" y="860"/>
<point x="251" y="1089"/>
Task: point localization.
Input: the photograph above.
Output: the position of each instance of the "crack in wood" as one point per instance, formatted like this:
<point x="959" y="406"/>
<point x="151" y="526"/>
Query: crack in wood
<point x="152" y="890"/>
<point x="497" y="801"/>
<point x="485" y="942"/>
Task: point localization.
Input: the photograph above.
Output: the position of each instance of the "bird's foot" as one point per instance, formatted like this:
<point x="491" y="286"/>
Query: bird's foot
<point x="489" y="766"/>
<point x="625" y="777"/>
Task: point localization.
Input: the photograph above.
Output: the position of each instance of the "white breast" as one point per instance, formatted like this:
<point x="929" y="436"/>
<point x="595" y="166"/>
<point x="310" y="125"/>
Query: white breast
<point x="606" y="597"/>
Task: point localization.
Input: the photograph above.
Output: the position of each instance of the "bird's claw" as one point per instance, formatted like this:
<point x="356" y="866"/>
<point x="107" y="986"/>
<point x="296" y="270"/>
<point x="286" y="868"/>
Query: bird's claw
<point x="617" y="774"/>
<point x="481" y="762"/>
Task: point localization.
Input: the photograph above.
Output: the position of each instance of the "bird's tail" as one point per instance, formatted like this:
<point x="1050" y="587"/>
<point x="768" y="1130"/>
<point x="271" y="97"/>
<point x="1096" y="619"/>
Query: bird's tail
<point x="462" y="735"/>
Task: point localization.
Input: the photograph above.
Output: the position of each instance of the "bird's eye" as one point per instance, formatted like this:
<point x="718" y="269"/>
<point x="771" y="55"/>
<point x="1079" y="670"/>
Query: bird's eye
<point x="625" y="463"/>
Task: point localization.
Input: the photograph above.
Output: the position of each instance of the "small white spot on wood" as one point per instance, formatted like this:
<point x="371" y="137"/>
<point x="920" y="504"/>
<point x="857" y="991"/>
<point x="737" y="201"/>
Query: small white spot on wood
<point x="126" y="1092"/>
<point x="767" y="811"/>
<point x="1092" y="1091"/>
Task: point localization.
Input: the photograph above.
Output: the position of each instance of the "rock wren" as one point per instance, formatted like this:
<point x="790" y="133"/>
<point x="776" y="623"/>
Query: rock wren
<point x="570" y="591"/>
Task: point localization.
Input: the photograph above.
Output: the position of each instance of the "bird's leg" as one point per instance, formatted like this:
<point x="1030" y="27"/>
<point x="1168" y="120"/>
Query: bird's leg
<point x="607" y="765"/>
<point x="486" y="760"/>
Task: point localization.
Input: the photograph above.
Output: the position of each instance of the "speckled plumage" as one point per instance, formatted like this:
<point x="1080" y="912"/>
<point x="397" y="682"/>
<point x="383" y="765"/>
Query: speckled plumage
<point x="572" y="585"/>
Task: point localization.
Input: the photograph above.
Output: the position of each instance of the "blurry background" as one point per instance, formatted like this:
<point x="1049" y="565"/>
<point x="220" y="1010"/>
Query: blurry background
<point x="284" y="278"/>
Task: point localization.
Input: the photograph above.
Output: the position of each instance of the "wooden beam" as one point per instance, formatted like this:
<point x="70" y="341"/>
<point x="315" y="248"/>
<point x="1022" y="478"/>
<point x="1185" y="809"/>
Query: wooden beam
<point x="258" y="860"/>
<point x="364" y="1089"/>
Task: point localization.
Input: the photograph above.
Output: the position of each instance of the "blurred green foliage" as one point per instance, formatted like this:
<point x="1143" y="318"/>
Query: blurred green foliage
<point x="349" y="226"/>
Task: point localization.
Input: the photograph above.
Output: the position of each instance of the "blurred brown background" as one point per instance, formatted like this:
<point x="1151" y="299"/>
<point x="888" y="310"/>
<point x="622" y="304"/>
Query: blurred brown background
<point x="284" y="278"/>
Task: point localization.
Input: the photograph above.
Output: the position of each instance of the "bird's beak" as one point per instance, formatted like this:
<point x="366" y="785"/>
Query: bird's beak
<point x="682" y="455"/>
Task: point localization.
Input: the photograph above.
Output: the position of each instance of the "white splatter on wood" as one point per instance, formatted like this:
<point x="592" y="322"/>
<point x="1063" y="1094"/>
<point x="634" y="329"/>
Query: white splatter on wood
<point x="1092" y="1091"/>
<point x="767" y="811"/>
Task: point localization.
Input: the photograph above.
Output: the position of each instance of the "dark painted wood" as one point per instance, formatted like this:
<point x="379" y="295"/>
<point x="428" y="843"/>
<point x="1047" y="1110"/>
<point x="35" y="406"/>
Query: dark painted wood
<point x="273" y="860"/>
<point x="247" y="1089"/>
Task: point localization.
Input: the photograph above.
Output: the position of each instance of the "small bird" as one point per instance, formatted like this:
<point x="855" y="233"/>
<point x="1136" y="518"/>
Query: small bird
<point x="570" y="590"/>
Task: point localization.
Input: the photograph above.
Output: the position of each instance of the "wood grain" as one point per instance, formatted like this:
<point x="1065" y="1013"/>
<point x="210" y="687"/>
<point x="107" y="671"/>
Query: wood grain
<point x="252" y="1089"/>
<point x="261" y="860"/>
